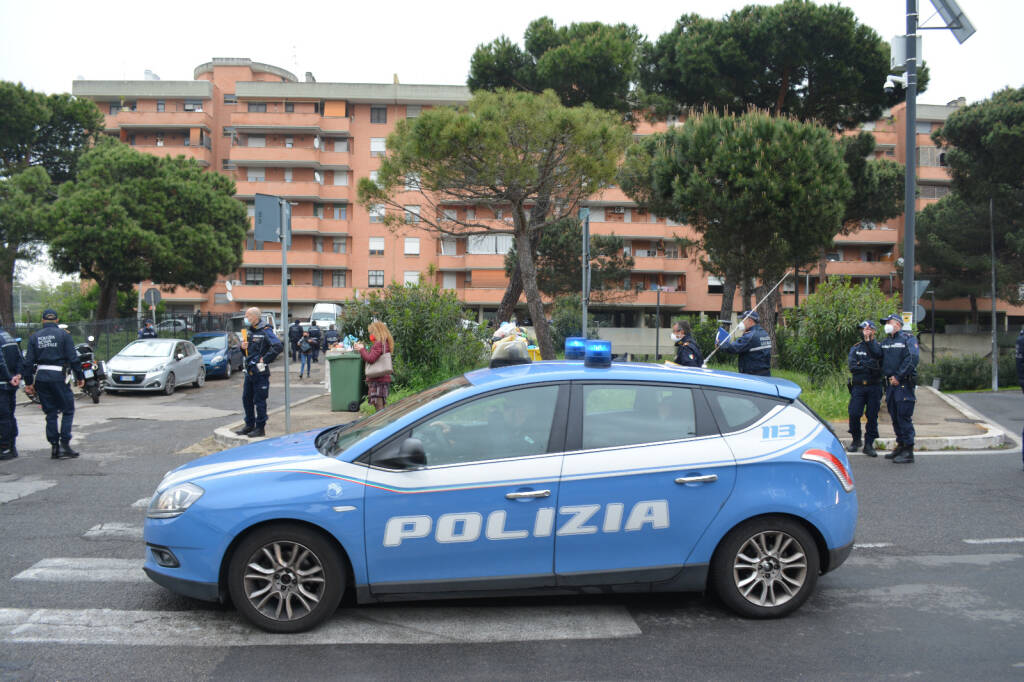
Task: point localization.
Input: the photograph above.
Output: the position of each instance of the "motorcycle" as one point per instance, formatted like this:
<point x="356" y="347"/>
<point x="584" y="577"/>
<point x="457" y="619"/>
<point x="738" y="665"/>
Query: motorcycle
<point x="94" y="373"/>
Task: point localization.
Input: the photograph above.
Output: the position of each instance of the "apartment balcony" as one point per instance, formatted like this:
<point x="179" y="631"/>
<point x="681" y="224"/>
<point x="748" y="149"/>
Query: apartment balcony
<point x="638" y="230"/>
<point x="658" y="264"/>
<point x="274" y="157"/>
<point x="451" y="262"/>
<point x="305" y="224"/>
<point x="884" y="235"/>
<point x="159" y="119"/>
<point x="933" y="173"/>
<point x="200" y="153"/>
<point x="646" y="297"/>
<point x="335" y="193"/>
<point x="296" y="191"/>
<point x="481" y="295"/>
<point x="856" y="268"/>
<point x="297" y="259"/>
<point x="335" y="160"/>
<point x="276" y="122"/>
<point x="297" y="293"/>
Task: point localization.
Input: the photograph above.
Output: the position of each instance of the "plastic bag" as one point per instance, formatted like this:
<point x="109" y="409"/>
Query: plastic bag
<point x="510" y="348"/>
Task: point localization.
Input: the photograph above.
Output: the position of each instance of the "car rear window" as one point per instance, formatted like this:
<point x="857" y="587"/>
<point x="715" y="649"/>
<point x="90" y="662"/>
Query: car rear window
<point x="735" y="410"/>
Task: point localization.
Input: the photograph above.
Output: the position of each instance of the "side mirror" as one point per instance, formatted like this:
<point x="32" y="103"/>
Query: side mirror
<point x="91" y="339"/>
<point x="410" y="455"/>
<point x="180" y="356"/>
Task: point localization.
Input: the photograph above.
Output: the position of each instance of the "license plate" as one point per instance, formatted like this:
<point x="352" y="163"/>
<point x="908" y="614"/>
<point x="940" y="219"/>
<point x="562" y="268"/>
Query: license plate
<point x="127" y="378"/>
<point x="88" y="374"/>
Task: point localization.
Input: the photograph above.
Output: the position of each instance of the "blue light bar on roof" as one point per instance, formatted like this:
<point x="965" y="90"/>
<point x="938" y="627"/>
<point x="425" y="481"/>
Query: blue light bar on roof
<point x="598" y="353"/>
<point x="575" y="348"/>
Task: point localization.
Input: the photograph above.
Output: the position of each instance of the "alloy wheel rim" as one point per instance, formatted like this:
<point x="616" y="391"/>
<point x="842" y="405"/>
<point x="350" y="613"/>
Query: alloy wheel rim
<point x="284" y="581"/>
<point x="770" y="568"/>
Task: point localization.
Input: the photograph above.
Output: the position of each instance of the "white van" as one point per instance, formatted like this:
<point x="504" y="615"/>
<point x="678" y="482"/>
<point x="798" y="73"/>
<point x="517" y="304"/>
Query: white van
<point x="325" y="314"/>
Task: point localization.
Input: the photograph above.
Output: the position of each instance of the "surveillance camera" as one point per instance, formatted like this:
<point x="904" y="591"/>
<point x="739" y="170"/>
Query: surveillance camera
<point x="892" y="80"/>
<point x="889" y="87"/>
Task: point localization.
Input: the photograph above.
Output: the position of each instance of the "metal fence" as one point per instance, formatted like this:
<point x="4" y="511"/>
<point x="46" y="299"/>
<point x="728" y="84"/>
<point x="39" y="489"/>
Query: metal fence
<point x="110" y="336"/>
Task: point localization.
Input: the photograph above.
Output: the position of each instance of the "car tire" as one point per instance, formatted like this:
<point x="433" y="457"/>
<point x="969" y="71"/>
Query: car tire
<point x="200" y="378"/>
<point x="169" y="385"/>
<point x="766" y="567"/>
<point x="353" y="406"/>
<point x="227" y="372"/>
<point x="275" y="594"/>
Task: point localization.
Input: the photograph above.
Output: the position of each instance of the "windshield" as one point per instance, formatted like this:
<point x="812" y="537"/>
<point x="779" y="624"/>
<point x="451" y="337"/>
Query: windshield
<point x="336" y="440"/>
<point x="148" y="348"/>
<point x="210" y="342"/>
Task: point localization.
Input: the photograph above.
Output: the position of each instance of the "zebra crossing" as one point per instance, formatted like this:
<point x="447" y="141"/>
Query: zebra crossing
<point x="209" y="625"/>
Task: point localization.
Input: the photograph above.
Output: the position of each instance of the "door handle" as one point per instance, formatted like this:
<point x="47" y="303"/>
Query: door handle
<point x="709" y="478"/>
<point x="527" y="494"/>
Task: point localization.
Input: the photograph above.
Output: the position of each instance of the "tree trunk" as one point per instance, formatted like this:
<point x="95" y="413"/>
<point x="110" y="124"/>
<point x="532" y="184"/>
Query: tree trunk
<point x="974" y="309"/>
<point x="768" y="314"/>
<point x="796" y="287"/>
<point x="106" y="308"/>
<point x="511" y="298"/>
<point x="728" y="295"/>
<point x="747" y="294"/>
<point x="533" y="299"/>
<point x="7" y="287"/>
<point x="822" y="266"/>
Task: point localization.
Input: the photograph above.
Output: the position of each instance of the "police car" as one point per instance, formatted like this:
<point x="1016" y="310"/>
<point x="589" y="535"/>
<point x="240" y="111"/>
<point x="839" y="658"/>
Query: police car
<point x="568" y="476"/>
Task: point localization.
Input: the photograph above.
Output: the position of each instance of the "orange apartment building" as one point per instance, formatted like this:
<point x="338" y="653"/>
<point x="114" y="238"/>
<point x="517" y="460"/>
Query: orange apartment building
<point x="310" y="142"/>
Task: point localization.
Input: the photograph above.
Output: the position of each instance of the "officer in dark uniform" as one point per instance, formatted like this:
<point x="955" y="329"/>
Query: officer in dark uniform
<point x="900" y="355"/>
<point x="865" y="362"/>
<point x="260" y="346"/>
<point x="50" y="353"/>
<point x="754" y="347"/>
<point x="331" y="337"/>
<point x="315" y="339"/>
<point x="10" y="378"/>
<point x="294" y="336"/>
<point x="1020" y="372"/>
<point x="687" y="351"/>
<point x="147" y="331"/>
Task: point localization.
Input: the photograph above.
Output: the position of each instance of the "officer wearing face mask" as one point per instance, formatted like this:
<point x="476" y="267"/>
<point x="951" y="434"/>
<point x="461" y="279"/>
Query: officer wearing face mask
<point x="900" y="355"/>
<point x="865" y="363"/>
<point x="260" y="346"/>
<point x="754" y="346"/>
<point x="687" y="351"/>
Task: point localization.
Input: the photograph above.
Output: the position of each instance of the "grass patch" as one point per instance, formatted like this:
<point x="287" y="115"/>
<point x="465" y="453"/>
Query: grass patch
<point x="826" y="395"/>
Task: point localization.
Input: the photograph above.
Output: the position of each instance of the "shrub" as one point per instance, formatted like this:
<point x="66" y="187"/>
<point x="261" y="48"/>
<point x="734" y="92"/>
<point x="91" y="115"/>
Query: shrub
<point x="432" y="342"/>
<point x="968" y="372"/>
<point x="567" y="318"/>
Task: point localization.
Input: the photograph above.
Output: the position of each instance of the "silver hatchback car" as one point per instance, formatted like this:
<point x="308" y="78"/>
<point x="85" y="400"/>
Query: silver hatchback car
<point x="155" y="365"/>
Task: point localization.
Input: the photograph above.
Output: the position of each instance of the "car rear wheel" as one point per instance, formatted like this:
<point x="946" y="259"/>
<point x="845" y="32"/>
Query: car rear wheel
<point x="169" y="385"/>
<point x="286" y="578"/>
<point x="200" y="377"/>
<point x="766" y="567"/>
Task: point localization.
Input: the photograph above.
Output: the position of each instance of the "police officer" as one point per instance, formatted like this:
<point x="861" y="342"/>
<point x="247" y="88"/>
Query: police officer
<point x="50" y="353"/>
<point x="754" y="346"/>
<point x="900" y="355"/>
<point x="865" y="362"/>
<point x="260" y="346"/>
<point x="147" y="331"/>
<point x="331" y="337"/>
<point x="315" y="339"/>
<point x="1020" y="371"/>
<point x="10" y="378"/>
<point x="294" y="335"/>
<point x="687" y="351"/>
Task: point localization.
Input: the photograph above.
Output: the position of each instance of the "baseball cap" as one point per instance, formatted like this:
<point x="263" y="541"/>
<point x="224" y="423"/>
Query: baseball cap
<point x="50" y="314"/>
<point x="868" y="324"/>
<point x="752" y="314"/>
<point x="894" y="316"/>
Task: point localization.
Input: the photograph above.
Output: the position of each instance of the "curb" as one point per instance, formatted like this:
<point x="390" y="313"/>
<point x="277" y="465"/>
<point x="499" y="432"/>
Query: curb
<point x="226" y="436"/>
<point x="994" y="435"/>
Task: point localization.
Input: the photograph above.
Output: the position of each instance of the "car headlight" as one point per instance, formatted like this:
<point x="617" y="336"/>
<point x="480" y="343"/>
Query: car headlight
<point x="174" y="501"/>
<point x="158" y="368"/>
<point x="216" y="359"/>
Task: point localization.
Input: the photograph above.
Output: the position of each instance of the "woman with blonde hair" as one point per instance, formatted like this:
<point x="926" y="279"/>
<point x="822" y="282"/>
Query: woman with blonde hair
<point x="381" y="343"/>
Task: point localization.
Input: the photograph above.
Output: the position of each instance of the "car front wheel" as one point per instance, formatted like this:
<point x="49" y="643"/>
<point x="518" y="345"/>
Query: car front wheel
<point x="286" y="578"/>
<point x="169" y="384"/>
<point x="766" y="567"/>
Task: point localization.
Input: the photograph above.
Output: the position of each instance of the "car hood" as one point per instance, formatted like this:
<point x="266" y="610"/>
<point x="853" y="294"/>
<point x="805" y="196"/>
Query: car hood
<point x="209" y="352"/>
<point x="127" y="363"/>
<point x="291" y="450"/>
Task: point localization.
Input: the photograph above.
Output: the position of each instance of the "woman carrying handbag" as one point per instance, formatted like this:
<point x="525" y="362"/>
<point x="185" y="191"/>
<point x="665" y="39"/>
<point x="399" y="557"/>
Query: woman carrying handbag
<point x="378" y="363"/>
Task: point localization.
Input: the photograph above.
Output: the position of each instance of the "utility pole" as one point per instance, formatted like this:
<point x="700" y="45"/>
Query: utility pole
<point x="910" y="179"/>
<point x="995" y="335"/>
<point x="585" y="214"/>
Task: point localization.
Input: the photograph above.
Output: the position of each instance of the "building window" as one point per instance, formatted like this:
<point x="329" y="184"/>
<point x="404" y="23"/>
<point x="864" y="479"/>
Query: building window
<point x="317" y="178"/>
<point x="318" y="278"/>
<point x="377" y="213"/>
<point x="257" y="107"/>
<point x="412" y="246"/>
<point x="114" y="108"/>
<point x="376" y="246"/>
<point x="375" y="278"/>
<point x="449" y="215"/>
<point x="220" y="298"/>
<point x="447" y="246"/>
<point x="412" y="214"/>
<point x="256" y="141"/>
<point x="318" y="210"/>
<point x="228" y="131"/>
<point x="339" y="245"/>
<point x="287" y="174"/>
<point x="923" y="127"/>
<point x="318" y="244"/>
<point x="289" y="107"/>
<point x="499" y="214"/>
<point x="193" y="105"/>
<point x="470" y="213"/>
<point x="289" y="142"/>
<point x="715" y="285"/>
<point x="931" y="156"/>
<point x="448" y="280"/>
<point x="341" y="144"/>
<point x="160" y="105"/>
<point x="254" y="276"/>
<point x="338" y="279"/>
<point x="378" y="114"/>
<point x="378" y="146"/>
<point x="373" y="176"/>
<point x="341" y="178"/>
<point x="489" y="244"/>
<point x="411" y="277"/>
<point x="252" y="244"/>
<point x="256" y="174"/>
<point x="413" y="110"/>
<point x="131" y="140"/>
<point x="932" y="191"/>
<point x="340" y="212"/>
<point x="412" y="181"/>
<point x="159" y="139"/>
<point x="671" y="252"/>
<point x="230" y="98"/>
<point x="250" y="209"/>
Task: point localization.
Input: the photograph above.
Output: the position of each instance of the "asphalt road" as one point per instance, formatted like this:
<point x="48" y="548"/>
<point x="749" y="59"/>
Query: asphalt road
<point x="932" y="590"/>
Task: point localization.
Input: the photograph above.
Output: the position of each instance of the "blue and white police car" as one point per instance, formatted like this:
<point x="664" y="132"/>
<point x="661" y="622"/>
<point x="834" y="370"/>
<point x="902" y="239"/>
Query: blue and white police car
<point x="553" y="476"/>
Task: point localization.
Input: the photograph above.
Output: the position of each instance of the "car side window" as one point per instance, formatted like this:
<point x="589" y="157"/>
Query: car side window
<point x="630" y="414"/>
<point x="513" y="423"/>
<point x="736" y="411"/>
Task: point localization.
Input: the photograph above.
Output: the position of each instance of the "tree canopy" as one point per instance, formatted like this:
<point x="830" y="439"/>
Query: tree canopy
<point x="517" y="153"/>
<point x="814" y="62"/>
<point x="130" y="216"/>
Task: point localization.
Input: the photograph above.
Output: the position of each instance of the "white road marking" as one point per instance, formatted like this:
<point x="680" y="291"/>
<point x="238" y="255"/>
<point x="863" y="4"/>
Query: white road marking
<point x="142" y="502"/>
<point x="931" y="560"/>
<point x="114" y="530"/>
<point x="992" y="541"/>
<point x="15" y="487"/>
<point x="85" y="570"/>
<point x="372" y="625"/>
<point x="872" y="545"/>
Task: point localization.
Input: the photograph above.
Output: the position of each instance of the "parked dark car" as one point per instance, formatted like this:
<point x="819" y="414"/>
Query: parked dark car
<point x="221" y="351"/>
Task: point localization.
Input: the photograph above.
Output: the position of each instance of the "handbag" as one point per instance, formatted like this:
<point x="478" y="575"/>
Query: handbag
<point x="382" y="367"/>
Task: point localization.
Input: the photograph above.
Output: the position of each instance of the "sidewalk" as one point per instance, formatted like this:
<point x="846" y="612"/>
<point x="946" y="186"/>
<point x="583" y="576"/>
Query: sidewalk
<point x="941" y="422"/>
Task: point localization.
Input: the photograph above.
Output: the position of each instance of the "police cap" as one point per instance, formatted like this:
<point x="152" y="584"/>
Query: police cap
<point x="752" y="314"/>
<point x="50" y="314"/>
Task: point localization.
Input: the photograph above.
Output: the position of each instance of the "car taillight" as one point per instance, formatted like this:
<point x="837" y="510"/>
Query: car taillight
<point x="834" y="465"/>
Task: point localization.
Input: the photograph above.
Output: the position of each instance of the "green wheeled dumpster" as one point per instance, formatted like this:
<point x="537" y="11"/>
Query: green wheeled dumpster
<point x="346" y="380"/>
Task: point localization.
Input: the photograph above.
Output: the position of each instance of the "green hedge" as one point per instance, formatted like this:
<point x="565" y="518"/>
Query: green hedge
<point x="968" y="372"/>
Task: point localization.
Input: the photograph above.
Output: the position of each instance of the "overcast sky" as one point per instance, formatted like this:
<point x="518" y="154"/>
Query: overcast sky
<point x="46" y="45"/>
